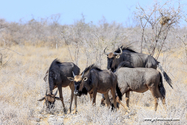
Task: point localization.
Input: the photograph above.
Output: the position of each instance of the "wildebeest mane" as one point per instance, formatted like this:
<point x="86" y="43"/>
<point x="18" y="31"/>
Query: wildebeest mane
<point x="93" y="66"/>
<point x="125" y="48"/>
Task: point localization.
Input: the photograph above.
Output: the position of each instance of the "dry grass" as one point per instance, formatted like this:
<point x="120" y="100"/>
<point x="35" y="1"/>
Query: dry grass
<point x="21" y="85"/>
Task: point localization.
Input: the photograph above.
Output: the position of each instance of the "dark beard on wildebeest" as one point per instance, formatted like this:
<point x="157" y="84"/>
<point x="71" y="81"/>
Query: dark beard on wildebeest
<point x="83" y="92"/>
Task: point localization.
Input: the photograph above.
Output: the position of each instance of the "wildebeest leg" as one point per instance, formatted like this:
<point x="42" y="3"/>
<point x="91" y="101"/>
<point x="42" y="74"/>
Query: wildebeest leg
<point x="91" y="96"/>
<point x="114" y="96"/>
<point x="61" y="97"/>
<point x="127" y="98"/>
<point x="72" y="94"/>
<point x="156" y="103"/>
<point x="107" y="99"/>
<point x="94" y="96"/>
<point x="164" y="102"/>
<point x="118" y="100"/>
<point x="156" y="94"/>
<point x="75" y="108"/>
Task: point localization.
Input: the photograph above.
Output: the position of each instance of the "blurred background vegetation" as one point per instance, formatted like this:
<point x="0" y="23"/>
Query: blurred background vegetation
<point x="28" y="48"/>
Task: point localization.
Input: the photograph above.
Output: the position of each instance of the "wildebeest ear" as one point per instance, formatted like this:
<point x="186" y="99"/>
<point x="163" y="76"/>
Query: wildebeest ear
<point x="41" y="99"/>
<point x="57" y="98"/>
<point x="85" y="78"/>
<point x="70" y="78"/>
<point x="118" y="56"/>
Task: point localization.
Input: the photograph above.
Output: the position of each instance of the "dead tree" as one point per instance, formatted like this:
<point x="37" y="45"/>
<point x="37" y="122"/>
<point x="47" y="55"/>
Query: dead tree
<point x="156" y="22"/>
<point x="183" y="40"/>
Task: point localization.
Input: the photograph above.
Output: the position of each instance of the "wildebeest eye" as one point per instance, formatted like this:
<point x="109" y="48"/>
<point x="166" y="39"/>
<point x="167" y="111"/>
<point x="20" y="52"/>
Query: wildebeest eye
<point x="85" y="78"/>
<point x="118" y="56"/>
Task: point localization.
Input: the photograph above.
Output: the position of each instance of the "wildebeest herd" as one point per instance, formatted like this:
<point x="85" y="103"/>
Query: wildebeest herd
<point x="127" y="70"/>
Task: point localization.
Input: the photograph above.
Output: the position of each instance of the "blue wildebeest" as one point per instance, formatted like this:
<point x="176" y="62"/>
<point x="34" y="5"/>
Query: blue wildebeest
<point x="141" y="80"/>
<point x="57" y="78"/>
<point x="93" y="80"/>
<point x="136" y="60"/>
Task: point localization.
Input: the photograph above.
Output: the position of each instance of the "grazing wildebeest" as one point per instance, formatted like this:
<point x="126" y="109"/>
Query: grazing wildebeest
<point x="136" y="60"/>
<point x="94" y="80"/>
<point x="57" y="77"/>
<point x="140" y="80"/>
<point x="49" y="100"/>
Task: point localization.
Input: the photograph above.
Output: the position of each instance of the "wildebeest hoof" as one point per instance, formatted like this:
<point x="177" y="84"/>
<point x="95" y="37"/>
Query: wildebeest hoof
<point x="113" y="109"/>
<point x="69" y="111"/>
<point x="65" y="111"/>
<point x="127" y="110"/>
<point x="75" y="112"/>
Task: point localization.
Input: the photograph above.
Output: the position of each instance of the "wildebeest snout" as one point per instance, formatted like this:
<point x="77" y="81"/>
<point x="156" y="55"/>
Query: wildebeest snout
<point x="76" y="92"/>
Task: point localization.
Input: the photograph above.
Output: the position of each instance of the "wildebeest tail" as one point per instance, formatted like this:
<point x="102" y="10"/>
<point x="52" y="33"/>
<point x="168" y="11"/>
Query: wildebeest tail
<point x="166" y="77"/>
<point x="161" y="87"/>
<point x="118" y="92"/>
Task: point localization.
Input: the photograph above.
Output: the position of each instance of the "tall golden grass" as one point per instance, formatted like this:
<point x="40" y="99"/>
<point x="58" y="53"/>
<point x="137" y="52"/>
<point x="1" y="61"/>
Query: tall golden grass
<point x="21" y="85"/>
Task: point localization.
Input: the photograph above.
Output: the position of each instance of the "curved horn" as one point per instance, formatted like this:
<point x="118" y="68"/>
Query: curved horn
<point x="73" y="74"/>
<point x="56" y="92"/>
<point x="118" y="53"/>
<point x="105" y="52"/>
<point x="82" y="74"/>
